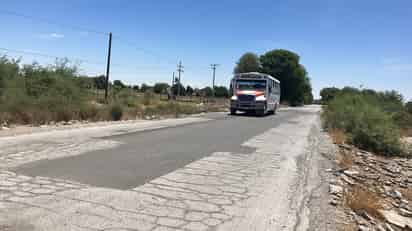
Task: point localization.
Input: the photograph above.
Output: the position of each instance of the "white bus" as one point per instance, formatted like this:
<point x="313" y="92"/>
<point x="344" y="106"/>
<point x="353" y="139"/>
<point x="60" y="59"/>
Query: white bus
<point x="254" y="92"/>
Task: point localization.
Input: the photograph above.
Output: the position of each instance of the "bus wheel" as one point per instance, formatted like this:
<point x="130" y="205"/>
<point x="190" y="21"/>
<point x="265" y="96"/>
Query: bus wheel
<point x="260" y="112"/>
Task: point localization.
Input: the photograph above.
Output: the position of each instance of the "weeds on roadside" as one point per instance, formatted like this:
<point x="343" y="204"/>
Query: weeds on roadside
<point x="362" y="200"/>
<point x="365" y="124"/>
<point x="35" y="94"/>
<point x="345" y="159"/>
<point x="407" y="194"/>
<point x="338" y="136"/>
<point x="348" y="227"/>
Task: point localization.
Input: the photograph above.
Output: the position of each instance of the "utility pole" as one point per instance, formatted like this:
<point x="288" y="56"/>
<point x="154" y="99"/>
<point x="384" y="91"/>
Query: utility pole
<point x="172" y="93"/>
<point x="106" y="90"/>
<point x="214" y="66"/>
<point x="180" y="70"/>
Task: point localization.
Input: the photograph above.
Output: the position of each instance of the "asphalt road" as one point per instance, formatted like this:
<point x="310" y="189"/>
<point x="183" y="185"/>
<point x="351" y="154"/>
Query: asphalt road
<point x="146" y="155"/>
<point x="211" y="172"/>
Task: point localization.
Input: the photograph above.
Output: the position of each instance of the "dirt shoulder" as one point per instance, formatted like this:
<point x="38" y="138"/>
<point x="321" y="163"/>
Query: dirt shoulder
<point x="16" y="130"/>
<point x="372" y="192"/>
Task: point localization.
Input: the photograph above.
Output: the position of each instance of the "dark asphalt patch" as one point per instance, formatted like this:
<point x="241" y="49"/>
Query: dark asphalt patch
<point x="144" y="156"/>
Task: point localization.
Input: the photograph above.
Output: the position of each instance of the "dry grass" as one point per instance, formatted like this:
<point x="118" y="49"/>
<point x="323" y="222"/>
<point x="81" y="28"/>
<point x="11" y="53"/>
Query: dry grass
<point x="345" y="159"/>
<point x="338" y="136"/>
<point x="362" y="200"/>
<point x="407" y="193"/>
<point x="406" y="132"/>
<point x="348" y="227"/>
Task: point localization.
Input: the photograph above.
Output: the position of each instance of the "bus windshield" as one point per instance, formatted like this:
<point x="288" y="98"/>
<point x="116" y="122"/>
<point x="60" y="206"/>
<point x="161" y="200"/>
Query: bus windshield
<point x="251" y="85"/>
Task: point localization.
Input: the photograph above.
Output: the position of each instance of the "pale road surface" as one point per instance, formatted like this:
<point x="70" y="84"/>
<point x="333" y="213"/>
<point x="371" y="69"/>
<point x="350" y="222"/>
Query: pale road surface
<point x="211" y="172"/>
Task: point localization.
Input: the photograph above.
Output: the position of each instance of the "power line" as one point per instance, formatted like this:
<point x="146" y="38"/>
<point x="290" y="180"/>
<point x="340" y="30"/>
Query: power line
<point x="116" y="65"/>
<point x="48" y="21"/>
<point x="138" y="48"/>
<point x="48" y="55"/>
<point x="81" y="28"/>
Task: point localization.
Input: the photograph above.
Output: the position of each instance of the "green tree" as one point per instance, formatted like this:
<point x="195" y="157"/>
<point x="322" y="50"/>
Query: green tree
<point x="99" y="81"/>
<point x="207" y="91"/>
<point x="221" y="91"/>
<point x="392" y="101"/>
<point x="197" y="92"/>
<point x="9" y="69"/>
<point x="145" y="87"/>
<point x="295" y="83"/>
<point x="136" y="87"/>
<point x="350" y="90"/>
<point x="119" y="84"/>
<point x="175" y="89"/>
<point x="160" y="88"/>
<point x="249" y="62"/>
<point x="63" y="68"/>
<point x="189" y="90"/>
<point x="329" y="93"/>
<point x="307" y="89"/>
<point x="408" y="107"/>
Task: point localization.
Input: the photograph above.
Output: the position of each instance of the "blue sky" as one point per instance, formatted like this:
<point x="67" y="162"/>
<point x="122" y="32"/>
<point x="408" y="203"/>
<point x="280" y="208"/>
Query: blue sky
<point x="341" y="42"/>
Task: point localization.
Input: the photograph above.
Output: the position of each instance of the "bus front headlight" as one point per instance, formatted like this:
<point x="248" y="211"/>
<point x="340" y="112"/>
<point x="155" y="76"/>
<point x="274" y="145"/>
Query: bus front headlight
<point x="261" y="98"/>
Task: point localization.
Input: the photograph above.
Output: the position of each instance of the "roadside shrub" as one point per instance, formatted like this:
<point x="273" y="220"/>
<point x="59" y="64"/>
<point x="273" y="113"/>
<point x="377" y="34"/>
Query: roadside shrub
<point x="116" y="112"/>
<point x="338" y="136"/>
<point x="148" y="97"/>
<point x="408" y="107"/>
<point x="362" y="200"/>
<point x="64" y="114"/>
<point x="345" y="159"/>
<point x="186" y="109"/>
<point x="376" y="131"/>
<point x="88" y="112"/>
<point x="126" y="97"/>
<point x="37" y="94"/>
<point x="404" y="120"/>
<point x="367" y="126"/>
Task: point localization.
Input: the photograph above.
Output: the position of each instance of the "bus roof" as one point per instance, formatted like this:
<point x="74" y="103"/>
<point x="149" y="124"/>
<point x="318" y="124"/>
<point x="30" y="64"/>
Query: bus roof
<point x="254" y="75"/>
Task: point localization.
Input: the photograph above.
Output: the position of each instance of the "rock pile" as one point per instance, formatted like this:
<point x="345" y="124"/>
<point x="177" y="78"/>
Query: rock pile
<point x="388" y="178"/>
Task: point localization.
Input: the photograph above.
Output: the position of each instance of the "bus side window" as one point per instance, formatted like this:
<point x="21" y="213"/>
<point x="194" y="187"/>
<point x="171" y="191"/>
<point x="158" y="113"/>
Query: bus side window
<point x="273" y="86"/>
<point x="270" y="86"/>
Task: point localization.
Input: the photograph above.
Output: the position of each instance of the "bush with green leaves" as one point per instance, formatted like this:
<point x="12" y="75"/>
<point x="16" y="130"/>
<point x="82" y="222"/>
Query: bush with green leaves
<point x="36" y="94"/>
<point x="116" y="112"/>
<point x="33" y="94"/>
<point x="408" y="107"/>
<point x="367" y="125"/>
<point x="148" y="97"/>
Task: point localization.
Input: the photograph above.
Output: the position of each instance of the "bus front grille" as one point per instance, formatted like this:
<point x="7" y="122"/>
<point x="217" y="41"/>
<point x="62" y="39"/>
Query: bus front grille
<point x="246" y="98"/>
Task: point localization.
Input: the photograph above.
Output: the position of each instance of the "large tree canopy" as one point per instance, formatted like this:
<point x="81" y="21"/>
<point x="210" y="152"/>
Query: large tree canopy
<point x="160" y="88"/>
<point x="408" y="107"/>
<point x="295" y="83"/>
<point x="221" y="91"/>
<point x="249" y="62"/>
<point x="328" y="94"/>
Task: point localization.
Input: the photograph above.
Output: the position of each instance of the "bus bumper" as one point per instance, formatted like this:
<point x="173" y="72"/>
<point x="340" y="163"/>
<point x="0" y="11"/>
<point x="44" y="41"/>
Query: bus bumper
<point x="249" y="106"/>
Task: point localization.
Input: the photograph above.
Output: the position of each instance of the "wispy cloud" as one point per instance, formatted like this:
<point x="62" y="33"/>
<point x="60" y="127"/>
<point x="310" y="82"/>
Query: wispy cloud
<point x="51" y="36"/>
